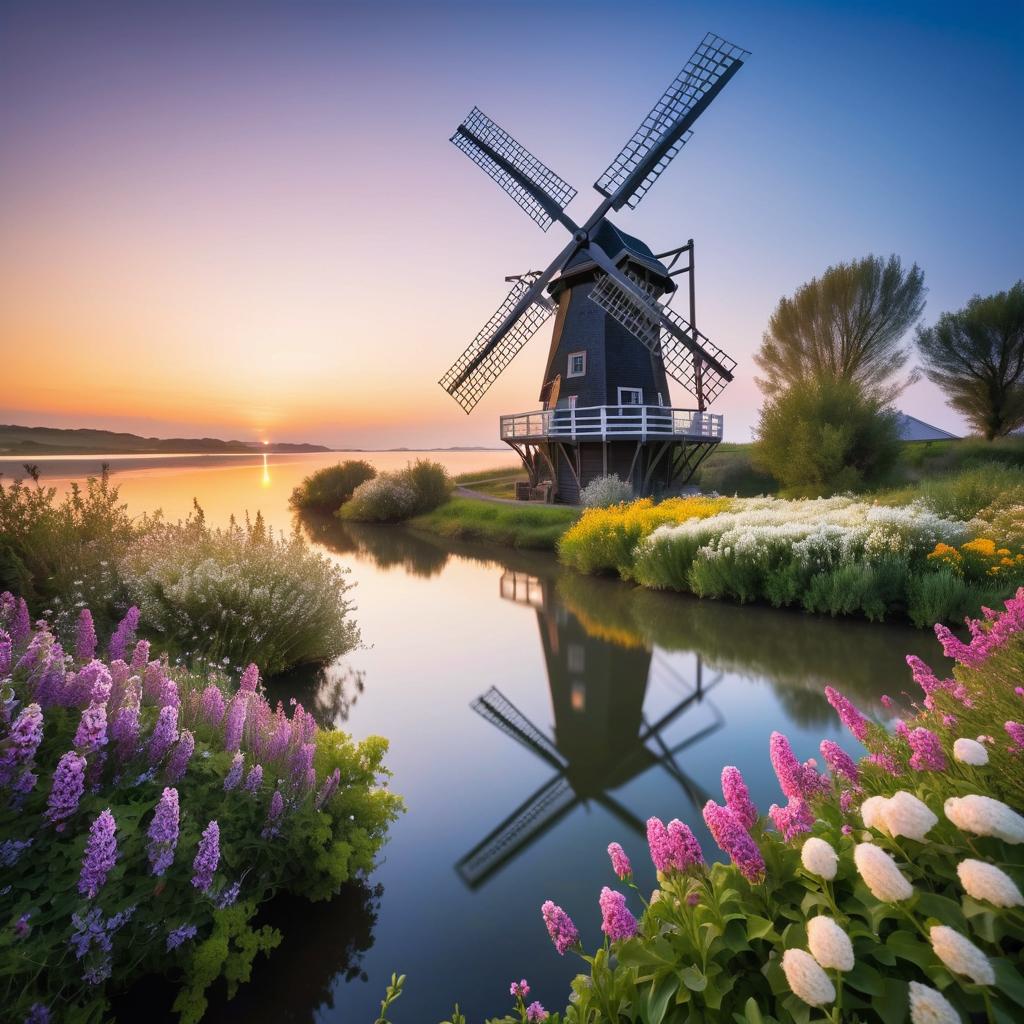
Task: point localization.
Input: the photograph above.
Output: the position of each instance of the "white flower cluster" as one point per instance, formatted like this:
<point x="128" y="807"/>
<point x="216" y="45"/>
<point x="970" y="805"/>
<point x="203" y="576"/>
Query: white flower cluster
<point x="905" y="815"/>
<point x="987" y="882"/>
<point x="806" y="978"/>
<point x="984" y="816"/>
<point x="961" y="955"/>
<point x="829" y="944"/>
<point x="819" y="858"/>
<point x="880" y="874"/>
<point x="969" y="751"/>
<point x="927" y="1006"/>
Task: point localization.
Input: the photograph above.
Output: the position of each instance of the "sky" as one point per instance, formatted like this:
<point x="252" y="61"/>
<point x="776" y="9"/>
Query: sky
<point x="246" y="220"/>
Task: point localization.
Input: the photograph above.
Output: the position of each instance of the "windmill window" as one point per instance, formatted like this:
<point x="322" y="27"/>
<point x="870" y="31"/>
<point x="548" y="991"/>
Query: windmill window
<point x="576" y="658"/>
<point x="577" y="364"/>
<point x="631" y="396"/>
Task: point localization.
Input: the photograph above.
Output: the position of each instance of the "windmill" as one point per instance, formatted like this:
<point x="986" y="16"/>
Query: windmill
<point x="605" y="390"/>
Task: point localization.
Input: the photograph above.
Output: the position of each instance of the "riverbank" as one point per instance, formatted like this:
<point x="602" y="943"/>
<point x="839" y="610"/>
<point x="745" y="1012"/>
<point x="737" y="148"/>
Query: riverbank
<point x="515" y="525"/>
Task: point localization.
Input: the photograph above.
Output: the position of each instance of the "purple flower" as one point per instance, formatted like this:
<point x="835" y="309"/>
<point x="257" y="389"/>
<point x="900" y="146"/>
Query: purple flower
<point x="886" y="700"/>
<point x="536" y="1013"/>
<point x="38" y="1013"/>
<point x="328" y="789"/>
<point x="733" y="838"/>
<point x="207" y="857"/>
<point x="163" y="832"/>
<point x="21" y="624"/>
<point x="164" y="733"/>
<point x="234" y="775"/>
<point x="793" y="819"/>
<point x="140" y="656"/>
<point x="180" y="935"/>
<point x="168" y="695"/>
<point x="92" y="728"/>
<point x="887" y="762"/>
<point x="927" y="751"/>
<point x="85" y="636"/>
<point x="846" y="799"/>
<point x="211" y="707"/>
<point x="180" y="756"/>
<point x="24" y="739"/>
<point x="100" y="854"/>
<point x="1016" y="733"/>
<point x="839" y="761"/>
<point x="1019" y="690"/>
<point x="949" y="721"/>
<point x="674" y="848"/>
<point x="796" y="780"/>
<point x="94" y="682"/>
<point x="124" y="730"/>
<point x="848" y="714"/>
<point x="560" y="927"/>
<point x="737" y="796"/>
<point x="616" y="920"/>
<point x="6" y="653"/>
<point x="22" y="929"/>
<point x="301" y="765"/>
<point x="520" y="989"/>
<point x="254" y="779"/>
<point x="124" y="634"/>
<point x="226" y="898"/>
<point x="250" y="679"/>
<point x="67" y="789"/>
<point x="11" y="851"/>
<point x="620" y="862"/>
<point x="273" y="814"/>
<point x="234" y="722"/>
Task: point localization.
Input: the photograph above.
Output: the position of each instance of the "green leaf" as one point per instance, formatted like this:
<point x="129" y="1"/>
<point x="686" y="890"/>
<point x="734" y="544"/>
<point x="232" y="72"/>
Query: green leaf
<point x="693" y="979"/>
<point x="864" y="978"/>
<point x="892" y="1005"/>
<point x="758" y="927"/>
<point x="907" y="947"/>
<point x="751" y="1012"/>
<point x="1009" y="980"/>
<point x="658" y="998"/>
<point x="941" y="907"/>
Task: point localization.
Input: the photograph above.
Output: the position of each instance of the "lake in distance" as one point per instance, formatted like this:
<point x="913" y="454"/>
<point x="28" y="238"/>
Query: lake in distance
<point x="534" y="716"/>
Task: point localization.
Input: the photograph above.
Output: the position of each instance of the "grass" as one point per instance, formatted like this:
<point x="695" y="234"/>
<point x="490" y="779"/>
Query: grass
<point x="496" y="482"/>
<point x="526" y="526"/>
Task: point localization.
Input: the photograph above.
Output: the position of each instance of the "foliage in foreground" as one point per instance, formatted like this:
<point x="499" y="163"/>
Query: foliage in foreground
<point x="888" y="889"/>
<point x="520" y="525"/>
<point x="394" y="497"/>
<point x="976" y="355"/>
<point x="836" y="555"/>
<point x="229" y="595"/>
<point x="329" y="488"/>
<point x="145" y="815"/>
<point x="822" y="437"/>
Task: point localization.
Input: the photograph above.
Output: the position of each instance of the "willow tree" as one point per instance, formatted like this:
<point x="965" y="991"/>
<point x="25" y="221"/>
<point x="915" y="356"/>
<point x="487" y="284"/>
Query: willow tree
<point x="976" y="355"/>
<point x="846" y="325"/>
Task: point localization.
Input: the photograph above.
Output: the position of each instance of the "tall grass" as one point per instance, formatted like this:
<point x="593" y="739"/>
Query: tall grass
<point x="521" y="526"/>
<point x="329" y="488"/>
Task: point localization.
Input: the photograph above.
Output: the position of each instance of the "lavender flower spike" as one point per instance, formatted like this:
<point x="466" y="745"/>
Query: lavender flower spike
<point x="207" y="857"/>
<point x="234" y="775"/>
<point x="616" y="920"/>
<point x="250" y="679"/>
<point x="164" y="733"/>
<point x="848" y="713"/>
<point x="100" y="854"/>
<point x="211" y="706"/>
<point x="85" y="636"/>
<point x="732" y="837"/>
<point x="180" y="756"/>
<point x="560" y="927"/>
<point x="620" y="862"/>
<point x="234" y="722"/>
<point x="124" y="634"/>
<point x="927" y="751"/>
<point x="839" y="761"/>
<point x="163" y="832"/>
<point x="25" y="736"/>
<point x="737" y="796"/>
<point x="92" y="728"/>
<point x="67" y="789"/>
<point x="254" y="779"/>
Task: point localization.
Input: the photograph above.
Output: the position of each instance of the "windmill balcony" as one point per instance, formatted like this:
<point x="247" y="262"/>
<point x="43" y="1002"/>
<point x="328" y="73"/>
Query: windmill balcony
<point x="612" y="422"/>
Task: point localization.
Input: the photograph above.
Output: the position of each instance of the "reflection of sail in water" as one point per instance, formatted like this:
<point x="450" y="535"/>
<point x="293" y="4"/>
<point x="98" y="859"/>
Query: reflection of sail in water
<point x="602" y="739"/>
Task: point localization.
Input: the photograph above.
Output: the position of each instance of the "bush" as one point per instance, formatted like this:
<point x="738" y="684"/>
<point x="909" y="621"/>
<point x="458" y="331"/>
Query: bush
<point x="524" y="525"/>
<point x="605" y="539"/>
<point x="825" y="437"/>
<point x="385" y="499"/>
<point x="312" y="816"/>
<point x="240" y="594"/>
<point x="831" y="902"/>
<point x="394" y="497"/>
<point x="329" y="488"/>
<point x="606" y="490"/>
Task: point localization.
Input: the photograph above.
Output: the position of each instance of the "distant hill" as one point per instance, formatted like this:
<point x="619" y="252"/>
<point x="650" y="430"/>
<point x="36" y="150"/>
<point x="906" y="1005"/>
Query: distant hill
<point x="29" y="441"/>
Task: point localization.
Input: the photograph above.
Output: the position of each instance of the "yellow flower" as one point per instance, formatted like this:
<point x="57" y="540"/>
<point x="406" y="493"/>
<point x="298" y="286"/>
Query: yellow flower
<point x="982" y="546"/>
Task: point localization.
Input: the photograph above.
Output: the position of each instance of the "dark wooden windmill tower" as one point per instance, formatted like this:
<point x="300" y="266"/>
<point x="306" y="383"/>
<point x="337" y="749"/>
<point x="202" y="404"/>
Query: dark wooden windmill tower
<point x="605" y="395"/>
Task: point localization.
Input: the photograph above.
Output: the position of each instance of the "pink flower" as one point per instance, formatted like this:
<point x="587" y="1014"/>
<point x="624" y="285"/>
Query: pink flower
<point x="839" y="761"/>
<point x="737" y="796"/>
<point x="535" y="1013"/>
<point x="520" y="989"/>
<point x="795" y="779"/>
<point x="620" y="862"/>
<point x="1016" y="733"/>
<point x="560" y="927"/>
<point x="733" y="838"/>
<point x="927" y="751"/>
<point x="674" y="848"/>
<point x="616" y="920"/>
<point x="848" y="714"/>
<point x="793" y="819"/>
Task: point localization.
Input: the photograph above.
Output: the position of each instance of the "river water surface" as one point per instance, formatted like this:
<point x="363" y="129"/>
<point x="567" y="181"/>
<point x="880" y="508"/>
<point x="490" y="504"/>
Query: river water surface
<point x="534" y="716"/>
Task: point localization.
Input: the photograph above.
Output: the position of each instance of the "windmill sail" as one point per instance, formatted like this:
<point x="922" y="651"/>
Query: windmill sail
<point x="665" y="130"/>
<point x="470" y="377"/>
<point x="531" y="183"/>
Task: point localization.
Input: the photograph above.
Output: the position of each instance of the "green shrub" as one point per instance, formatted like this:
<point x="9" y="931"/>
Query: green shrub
<point x="825" y="437"/>
<point x="239" y="594"/>
<point x="430" y="483"/>
<point x="963" y="495"/>
<point x="329" y="488"/>
<point x="387" y="498"/>
<point x="523" y="525"/>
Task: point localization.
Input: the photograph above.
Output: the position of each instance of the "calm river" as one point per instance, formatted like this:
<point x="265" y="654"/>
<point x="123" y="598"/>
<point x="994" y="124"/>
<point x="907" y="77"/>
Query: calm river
<point x="534" y="716"/>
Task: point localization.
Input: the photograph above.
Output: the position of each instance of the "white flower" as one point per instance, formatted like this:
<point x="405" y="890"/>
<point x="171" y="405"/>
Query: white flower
<point x="655" y="896"/>
<point x="987" y="882"/>
<point x="819" y="858"/>
<point x="829" y="944"/>
<point x="970" y="751"/>
<point x="961" y="955"/>
<point x="871" y="812"/>
<point x="905" y="815"/>
<point x="880" y="874"/>
<point x="807" y="980"/>
<point x="930" y="1007"/>
<point x="983" y="816"/>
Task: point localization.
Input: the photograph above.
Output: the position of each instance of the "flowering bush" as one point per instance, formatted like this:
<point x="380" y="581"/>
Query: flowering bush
<point x="603" y="491"/>
<point x="605" y="539"/>
<point x="889" y="888"/>
<point x="979" y="558"/>
<point x="329" y="488"/>
<point x="394" y="497"/>
<point x="146" y="814"/>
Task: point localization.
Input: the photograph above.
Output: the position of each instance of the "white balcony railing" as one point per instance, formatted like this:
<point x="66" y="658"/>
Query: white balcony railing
<point x="612" y="422"/>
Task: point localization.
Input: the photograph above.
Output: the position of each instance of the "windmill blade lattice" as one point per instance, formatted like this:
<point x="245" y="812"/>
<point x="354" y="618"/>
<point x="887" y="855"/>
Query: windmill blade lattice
<point x="531" y="183"/>
<point x="659" y="329"/>
<point x="470" y="377"/>
<point x="666" y="128"/>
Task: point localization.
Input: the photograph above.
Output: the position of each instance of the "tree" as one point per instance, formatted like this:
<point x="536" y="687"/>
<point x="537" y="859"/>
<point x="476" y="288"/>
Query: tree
<point x="845" y="325"/>
<point x="825" y="436"/>
<point x="976" y="355"/>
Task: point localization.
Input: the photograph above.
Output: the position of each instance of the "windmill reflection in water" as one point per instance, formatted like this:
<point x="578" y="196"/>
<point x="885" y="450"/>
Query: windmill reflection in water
<point x="603" y="737"/>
